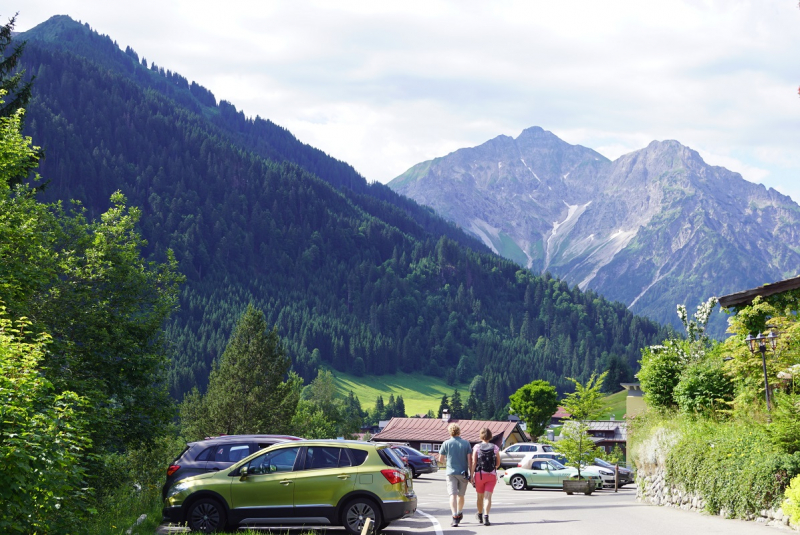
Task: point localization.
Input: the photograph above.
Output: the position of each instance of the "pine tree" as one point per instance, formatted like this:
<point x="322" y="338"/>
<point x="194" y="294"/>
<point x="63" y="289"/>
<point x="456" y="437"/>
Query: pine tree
<point x="400" y="408"/>
<point x="380" y="409"/>
<point x="472" y="408"/>
<point x="391" y="408"/>
<point x="246" y="390"/>
<point x="445" y="404"/>
<point x="18" y="93"/>
<point x="456" y="405"/>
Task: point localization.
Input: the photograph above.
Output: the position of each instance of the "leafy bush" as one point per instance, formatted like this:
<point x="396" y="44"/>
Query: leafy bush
<point x="734" y="466"/>
<point x="785" y="428"/>
<point x="791" y="505"/>
<point x="42" y="441"/>
<point x="703" y="388"/>
<point x="129" y="484"/>
<point x="661" y="373"/>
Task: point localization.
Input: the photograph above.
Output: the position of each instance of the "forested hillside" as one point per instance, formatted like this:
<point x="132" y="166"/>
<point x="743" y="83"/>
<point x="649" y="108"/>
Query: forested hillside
<point x="354" y="276"/>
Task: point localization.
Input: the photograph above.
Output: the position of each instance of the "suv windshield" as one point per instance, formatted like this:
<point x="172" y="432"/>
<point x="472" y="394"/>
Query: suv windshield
<point x="601" y="462"/>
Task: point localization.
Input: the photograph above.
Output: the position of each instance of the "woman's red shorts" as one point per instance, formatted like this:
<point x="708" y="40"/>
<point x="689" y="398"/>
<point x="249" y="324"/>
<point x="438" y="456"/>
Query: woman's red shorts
<point x="485" y="482"/>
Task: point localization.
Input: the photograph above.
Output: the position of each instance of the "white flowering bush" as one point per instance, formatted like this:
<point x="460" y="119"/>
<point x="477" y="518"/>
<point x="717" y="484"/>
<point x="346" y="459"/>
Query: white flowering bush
<point x="664" y="366"/>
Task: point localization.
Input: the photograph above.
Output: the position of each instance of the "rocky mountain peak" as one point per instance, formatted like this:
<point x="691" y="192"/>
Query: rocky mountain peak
<point x="656" y="227"/>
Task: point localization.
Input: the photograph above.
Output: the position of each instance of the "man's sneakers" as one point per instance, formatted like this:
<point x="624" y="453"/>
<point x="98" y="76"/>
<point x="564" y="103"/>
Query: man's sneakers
<point x="486" y="520"/>
<point x="456" y="519"/>
<point x="479" y="517"/>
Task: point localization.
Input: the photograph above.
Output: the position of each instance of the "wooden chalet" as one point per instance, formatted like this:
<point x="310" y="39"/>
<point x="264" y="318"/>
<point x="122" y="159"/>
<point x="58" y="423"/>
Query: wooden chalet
<point x="428" y="434"/>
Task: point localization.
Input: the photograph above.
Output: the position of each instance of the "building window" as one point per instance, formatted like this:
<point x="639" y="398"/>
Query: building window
<point x="436" y="447"/>
<point x="425" y="447"/>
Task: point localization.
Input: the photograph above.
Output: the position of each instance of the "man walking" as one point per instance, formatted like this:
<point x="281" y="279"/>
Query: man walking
<point x="458" y="454"/>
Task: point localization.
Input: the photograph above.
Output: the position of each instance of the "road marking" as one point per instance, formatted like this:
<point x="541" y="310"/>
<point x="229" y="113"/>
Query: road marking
<point x="436" y="526"/>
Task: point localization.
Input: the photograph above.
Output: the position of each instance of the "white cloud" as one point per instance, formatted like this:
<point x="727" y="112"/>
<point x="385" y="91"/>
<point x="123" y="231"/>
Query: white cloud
<point x="386" y="85"/>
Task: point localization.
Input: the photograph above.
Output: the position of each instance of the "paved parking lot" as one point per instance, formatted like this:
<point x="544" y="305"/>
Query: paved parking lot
<point x="553" y="512"/>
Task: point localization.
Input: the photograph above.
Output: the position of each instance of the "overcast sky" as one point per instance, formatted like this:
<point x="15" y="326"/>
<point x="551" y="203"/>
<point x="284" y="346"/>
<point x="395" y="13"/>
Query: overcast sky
<point x="385" y="85"/>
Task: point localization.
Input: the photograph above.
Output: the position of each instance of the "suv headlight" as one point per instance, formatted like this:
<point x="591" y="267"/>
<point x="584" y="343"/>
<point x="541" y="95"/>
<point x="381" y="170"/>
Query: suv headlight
<point x="606" y="473"/>
<point x="177" y="488"/>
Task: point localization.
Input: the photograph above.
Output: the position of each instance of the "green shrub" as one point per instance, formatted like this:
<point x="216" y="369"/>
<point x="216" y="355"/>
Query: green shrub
<point x="661" y="373"/>
<point x="791" y="506"/>
<point x="42" y="441"/>
<point x="129" y="485"/>
<point x="704" y="388"/>
<point x="785" y="427"/>
<point x="734" y="466"/>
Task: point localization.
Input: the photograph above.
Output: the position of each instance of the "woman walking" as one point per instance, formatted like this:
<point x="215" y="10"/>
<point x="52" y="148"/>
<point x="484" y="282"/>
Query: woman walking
<point x="485" y="462"/>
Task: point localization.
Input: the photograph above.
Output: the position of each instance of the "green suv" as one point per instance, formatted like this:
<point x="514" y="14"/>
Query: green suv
<point x="310" y="482"/>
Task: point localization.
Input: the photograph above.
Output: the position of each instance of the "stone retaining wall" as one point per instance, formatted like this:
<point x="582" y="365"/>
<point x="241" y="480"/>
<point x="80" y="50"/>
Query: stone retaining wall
<point x="653" y="489"/>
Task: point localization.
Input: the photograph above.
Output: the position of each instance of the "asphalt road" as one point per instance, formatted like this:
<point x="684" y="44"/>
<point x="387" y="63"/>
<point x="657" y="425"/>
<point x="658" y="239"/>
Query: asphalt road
<point x="553" y="512"/>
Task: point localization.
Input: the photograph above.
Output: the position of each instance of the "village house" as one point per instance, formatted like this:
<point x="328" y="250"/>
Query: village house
<point x="428" y="434"/>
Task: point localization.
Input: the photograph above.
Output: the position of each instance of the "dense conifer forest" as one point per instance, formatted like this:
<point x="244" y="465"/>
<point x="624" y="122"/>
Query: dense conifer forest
<point x="354" y="276"/>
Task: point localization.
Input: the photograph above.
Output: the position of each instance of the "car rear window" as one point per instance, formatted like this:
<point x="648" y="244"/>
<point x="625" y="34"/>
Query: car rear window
<point x="205" y="454"/>
<point x="390" y="458"/>
<point x="357" y="456"/>
<point x="321" y="457"/>
<point x="225" y="453"/>
<point x="185" y="449"/>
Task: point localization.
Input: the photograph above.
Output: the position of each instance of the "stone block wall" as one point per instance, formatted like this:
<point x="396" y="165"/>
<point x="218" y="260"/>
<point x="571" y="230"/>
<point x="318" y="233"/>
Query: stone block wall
<point x="652" y="488"/>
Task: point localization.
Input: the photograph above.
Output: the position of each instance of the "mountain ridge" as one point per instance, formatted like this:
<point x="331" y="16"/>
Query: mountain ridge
<point x="353" y="275"/>
<point x="657" y="221"/>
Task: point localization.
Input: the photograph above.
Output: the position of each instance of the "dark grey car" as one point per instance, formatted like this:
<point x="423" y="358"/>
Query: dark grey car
<point x="216" y="453"/>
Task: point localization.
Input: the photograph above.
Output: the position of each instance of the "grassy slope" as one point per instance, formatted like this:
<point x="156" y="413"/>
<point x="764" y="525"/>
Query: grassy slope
<point x="615" y="405"/>
<point x="419" y="392"/>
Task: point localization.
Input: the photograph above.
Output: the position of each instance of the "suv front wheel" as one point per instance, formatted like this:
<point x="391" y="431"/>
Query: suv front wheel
<point x="206" y="515"/>
<point x="357" y="511"/>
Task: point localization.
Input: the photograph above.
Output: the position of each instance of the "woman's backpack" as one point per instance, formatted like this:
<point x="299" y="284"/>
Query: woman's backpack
<point x="487" y="460"/>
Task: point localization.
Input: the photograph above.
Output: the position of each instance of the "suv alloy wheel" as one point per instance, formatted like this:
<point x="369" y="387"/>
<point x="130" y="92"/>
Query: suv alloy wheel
<point x="206" y="515"/>
<point x="357" y="511"/>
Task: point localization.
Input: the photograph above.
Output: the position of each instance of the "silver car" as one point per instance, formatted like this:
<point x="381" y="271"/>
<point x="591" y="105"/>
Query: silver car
<point x="512" y="455"/>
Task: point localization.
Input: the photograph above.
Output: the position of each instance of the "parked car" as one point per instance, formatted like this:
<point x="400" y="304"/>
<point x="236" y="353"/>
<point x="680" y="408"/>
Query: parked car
<point x="216" y="453"/>
<point x="606" y="469"/>
<point x="528" y="459"/>
<point x="546" y="473"/>
<point x="416" y="460"/>
<point x="512" y="455"/>
<point x="313" y="482"/>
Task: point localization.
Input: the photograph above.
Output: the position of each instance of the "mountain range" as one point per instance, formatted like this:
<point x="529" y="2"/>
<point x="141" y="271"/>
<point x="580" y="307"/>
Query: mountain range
<point x="354" y="276"/>
<point x="652" y="229"/>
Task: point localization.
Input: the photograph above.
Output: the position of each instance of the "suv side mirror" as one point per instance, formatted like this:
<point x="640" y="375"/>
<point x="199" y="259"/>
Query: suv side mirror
<point x="243" y="473"/>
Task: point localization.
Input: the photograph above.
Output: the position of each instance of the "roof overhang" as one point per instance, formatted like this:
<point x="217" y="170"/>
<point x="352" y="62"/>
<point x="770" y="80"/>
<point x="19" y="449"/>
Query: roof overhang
<point x="746" y="297"/>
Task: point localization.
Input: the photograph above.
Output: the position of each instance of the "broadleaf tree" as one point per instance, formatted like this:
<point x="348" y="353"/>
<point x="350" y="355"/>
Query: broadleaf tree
<point x="535" y="403"/>
<point x="85" y="283"/>
<point x="585" y="403"/>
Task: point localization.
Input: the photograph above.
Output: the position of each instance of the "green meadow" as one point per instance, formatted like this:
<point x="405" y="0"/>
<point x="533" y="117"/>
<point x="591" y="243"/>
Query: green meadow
<point x="420" y="392"/>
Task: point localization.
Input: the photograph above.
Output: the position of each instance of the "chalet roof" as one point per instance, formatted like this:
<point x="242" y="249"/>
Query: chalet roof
<point x="435" y="430"/>
<point x="619" y="427"/>
<point x="561" y="413"/>
<point x="746" y="297"/>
